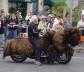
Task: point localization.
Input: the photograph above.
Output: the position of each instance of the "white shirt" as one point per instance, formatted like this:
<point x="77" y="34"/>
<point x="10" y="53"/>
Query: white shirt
<point x="27" y="17"/>
<point x="80" y="25"/>
<point x="56" y="21"/>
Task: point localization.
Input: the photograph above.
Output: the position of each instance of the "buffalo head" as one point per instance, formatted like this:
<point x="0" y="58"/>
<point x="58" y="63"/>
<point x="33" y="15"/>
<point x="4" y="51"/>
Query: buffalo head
<point x="72" y="36"/>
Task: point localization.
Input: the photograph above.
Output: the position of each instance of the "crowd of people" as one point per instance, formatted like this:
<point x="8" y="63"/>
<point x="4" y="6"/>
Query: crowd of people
<point x="9" y="26"/>
<point x="12" y="25"/>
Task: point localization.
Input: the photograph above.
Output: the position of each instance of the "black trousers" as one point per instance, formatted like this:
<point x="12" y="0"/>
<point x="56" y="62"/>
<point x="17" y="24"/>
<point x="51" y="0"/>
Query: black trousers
<point x="37" y="48"/>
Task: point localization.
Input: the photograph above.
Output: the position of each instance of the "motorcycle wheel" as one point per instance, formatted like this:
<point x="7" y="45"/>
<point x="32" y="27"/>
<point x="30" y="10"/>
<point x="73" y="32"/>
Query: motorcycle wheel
<point x="18" y="58"/>
<point x="63" y="58"/>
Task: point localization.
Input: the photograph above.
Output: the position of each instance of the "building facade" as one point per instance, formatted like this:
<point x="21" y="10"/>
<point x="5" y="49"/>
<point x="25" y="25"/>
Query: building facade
<point x="24" y="6"/>
<point x="4" y="5"/>
<point x="81" y="3"/>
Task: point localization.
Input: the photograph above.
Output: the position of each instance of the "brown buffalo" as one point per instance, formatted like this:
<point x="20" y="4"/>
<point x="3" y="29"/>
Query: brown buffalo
<point x="72" y="36"/>
<point x="19" y="46"/>
<point x="63" y="39"/>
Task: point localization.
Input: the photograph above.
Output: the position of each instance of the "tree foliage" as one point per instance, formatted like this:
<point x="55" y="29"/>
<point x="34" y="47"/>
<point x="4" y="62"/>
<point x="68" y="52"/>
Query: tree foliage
<point x="60" y="8"/>
<point x="12" y="10"/>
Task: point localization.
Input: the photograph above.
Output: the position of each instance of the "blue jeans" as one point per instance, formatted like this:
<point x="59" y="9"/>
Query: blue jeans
<point x="12" y="33"/>
<point x="37" y="48"/>
<point x="6" y="32"/>
<point x="2" y="39"/>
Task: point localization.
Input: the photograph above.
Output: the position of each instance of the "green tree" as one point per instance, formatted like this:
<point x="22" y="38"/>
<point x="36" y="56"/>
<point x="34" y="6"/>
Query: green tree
<point x="12" y="10"/>
<point x="60" y="9"/>
<point x="76" y="15"/>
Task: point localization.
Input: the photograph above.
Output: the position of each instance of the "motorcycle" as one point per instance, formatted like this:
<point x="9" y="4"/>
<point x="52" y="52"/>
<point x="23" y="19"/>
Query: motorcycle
<point x="50" y="52"/>
<point x="61" y="58"/>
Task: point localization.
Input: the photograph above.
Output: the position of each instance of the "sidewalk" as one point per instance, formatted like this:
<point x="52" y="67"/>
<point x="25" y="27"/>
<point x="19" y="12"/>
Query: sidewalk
<point x="1" y="49"/>
<point x="79" y="48"/>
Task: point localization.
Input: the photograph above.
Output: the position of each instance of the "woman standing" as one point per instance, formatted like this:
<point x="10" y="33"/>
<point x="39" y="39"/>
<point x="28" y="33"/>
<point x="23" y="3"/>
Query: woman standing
<point x="12" y="26"/>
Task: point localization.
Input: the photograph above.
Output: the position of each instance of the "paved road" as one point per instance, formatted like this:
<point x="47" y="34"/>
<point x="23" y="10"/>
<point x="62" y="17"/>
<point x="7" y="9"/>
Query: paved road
<point x="76" y="65"/>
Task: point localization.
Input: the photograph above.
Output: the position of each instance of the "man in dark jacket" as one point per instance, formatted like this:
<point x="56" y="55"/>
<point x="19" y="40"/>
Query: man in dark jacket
<point x="33" y="35"/>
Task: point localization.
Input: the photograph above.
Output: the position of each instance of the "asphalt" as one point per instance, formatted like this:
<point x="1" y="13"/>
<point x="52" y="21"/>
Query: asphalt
<point x="75" y="65"/>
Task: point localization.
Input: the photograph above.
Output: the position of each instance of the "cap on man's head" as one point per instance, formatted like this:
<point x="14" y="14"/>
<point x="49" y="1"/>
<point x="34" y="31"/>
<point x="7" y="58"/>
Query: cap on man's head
<point x="50" y="16"/>
<point x="33" y="18"/>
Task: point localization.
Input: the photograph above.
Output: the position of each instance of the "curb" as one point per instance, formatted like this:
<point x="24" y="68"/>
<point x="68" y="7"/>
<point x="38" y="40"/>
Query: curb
<point x="79" y="49"/>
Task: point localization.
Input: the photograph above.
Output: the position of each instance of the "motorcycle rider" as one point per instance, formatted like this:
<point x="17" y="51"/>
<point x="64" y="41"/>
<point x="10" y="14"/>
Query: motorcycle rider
<point x="33" y="35"/>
